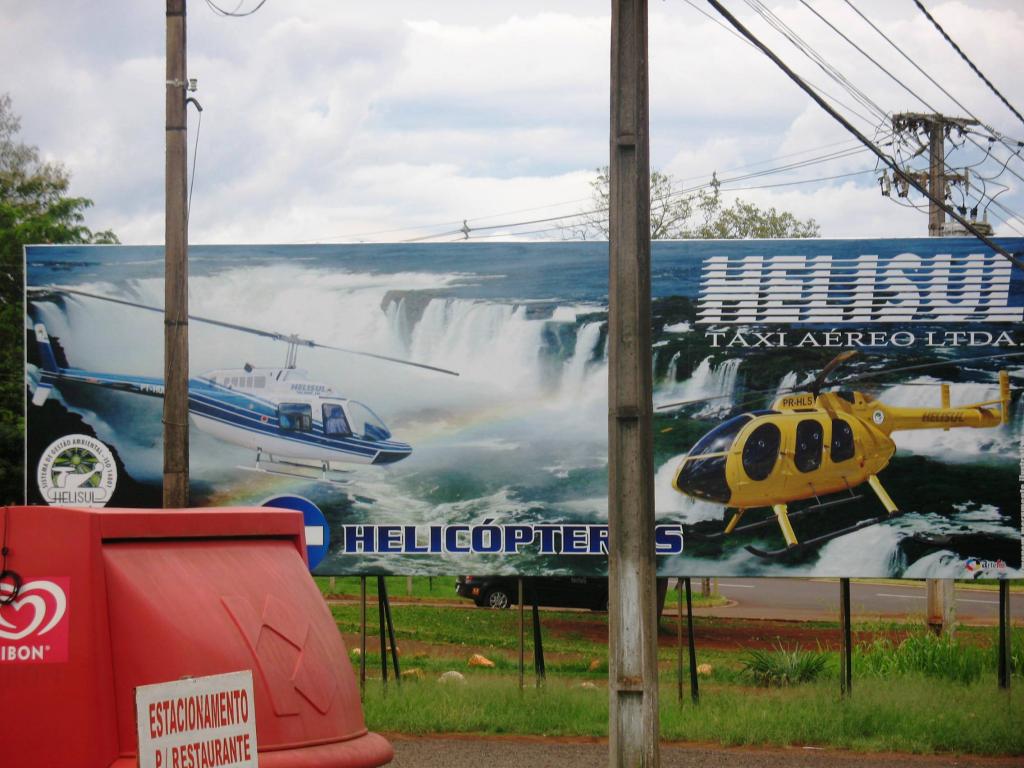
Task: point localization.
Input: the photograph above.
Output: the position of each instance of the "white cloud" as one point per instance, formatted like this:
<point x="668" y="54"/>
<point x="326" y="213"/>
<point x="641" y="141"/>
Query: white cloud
<point x="323" y="119"/>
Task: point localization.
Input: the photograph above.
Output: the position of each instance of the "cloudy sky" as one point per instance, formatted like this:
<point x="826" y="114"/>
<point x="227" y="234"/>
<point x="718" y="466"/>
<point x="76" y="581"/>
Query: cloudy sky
<point x="327" y="121"/>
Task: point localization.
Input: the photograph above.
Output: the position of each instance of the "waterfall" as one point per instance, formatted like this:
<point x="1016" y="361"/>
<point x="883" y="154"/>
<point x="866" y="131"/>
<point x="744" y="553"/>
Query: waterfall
<point x="787" y="384"/>
<point x="706" y="381"/>
<point x="581" y="369"/>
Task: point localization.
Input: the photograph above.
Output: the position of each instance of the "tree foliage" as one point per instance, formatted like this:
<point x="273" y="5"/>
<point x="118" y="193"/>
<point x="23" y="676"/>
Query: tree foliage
<point x="34" y="208"/>
<point x="703" y="214"/>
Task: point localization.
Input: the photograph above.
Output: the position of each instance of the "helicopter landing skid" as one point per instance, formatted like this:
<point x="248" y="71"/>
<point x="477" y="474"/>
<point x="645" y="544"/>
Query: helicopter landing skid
<point x="770" y="521"/>
<point x="283" y="468"/>
<point x="810" y="544"/>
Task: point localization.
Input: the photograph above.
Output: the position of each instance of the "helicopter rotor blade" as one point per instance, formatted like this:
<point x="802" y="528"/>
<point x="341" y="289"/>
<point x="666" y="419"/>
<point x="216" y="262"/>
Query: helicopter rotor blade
<point x="384" y="357"/>
<point x="287" y="338"/>
<point x="924" y="366"/>
<point x="834" y="363"/>
<point x="700" y="400"/>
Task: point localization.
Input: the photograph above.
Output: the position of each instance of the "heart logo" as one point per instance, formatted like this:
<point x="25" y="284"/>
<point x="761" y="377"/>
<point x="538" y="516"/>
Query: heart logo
<point x="39" y="608"/>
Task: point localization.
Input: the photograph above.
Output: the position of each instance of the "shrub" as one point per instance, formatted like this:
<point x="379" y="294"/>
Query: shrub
<point x="783" y="666"/>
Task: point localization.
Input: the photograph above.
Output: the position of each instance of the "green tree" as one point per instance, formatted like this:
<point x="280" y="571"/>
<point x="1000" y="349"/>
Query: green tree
<point x="678" y="215"/>
<point x="34" y="208"/>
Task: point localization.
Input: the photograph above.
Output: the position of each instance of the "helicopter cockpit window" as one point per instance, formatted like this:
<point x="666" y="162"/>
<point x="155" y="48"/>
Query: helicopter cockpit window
<point x="761" y="450"/>
<point x="809" y="443"/>
<point x="366" y="423"/>
<point x="721" y="438"/>
<point x="295" y="417"/>
<point x="705" y="477"/>
<point x="335" y="423"/>
<point x="842" y="441"/>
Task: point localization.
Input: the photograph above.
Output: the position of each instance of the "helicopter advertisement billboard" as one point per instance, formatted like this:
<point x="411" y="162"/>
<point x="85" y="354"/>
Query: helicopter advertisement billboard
<point x="821" y="407"/>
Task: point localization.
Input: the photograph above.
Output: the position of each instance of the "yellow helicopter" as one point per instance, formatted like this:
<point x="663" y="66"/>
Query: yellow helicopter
<point x="813" y="444"/>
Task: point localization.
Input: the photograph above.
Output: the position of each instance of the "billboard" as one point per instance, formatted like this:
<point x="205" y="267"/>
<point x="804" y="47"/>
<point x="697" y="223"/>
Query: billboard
<point x="822" y="407"/>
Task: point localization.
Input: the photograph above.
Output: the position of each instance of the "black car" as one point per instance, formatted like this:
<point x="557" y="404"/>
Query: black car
<point x="554" y="591"/>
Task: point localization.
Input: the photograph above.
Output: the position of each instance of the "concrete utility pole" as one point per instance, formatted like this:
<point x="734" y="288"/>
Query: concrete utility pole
<point x="941" y="593"/>
<point x="175" y="416"/>
<point x="632" y="617"/>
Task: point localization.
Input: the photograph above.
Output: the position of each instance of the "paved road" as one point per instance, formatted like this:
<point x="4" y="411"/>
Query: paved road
<point x="474" y="752"/>
<point x="818" y="599"/>
<point x="792" y="599"/>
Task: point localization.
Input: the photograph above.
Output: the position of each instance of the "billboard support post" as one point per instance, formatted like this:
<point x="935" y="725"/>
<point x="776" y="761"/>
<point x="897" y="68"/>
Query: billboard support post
<point x="846" y="663"/>
<point x="383" y="633"/>
<point x="692" y="645"/>
<point x="941" y="604"/>
<point x="538" y="644"/>
<point x="362" y="636"/>
<point x="632" y="619"/>
<point x="522" y="634"/>
<point x="1004" y="634"/>
<point x="382" y="590"/>
<point x="175" y="407"/>
<point x="679" y="640"/>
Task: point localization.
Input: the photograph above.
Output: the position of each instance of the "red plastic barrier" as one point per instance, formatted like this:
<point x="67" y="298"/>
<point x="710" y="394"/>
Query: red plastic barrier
<point x="114" y="598"/>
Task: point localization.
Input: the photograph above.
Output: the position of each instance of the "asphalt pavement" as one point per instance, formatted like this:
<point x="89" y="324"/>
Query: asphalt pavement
<point x="511" y="752"/>
<point x="818" y="600"/>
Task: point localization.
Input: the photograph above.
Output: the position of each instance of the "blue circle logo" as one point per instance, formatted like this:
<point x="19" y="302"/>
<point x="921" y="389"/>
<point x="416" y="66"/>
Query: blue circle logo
<point x="318" y="533"/>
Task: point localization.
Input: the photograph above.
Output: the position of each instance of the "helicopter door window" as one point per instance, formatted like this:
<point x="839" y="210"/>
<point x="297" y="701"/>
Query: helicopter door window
<point x="295" y="417"/>
<point x="335" y="423"/>
<point x="842" y="448"/>
<point x="761" y="450"/>
<point x="809" y="443"/>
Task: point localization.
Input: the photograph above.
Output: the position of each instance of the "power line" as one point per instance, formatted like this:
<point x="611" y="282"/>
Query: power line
<point x="661" y="199"/>
<point x="804" y="47"/>
<point x="966" y="59"/>
<point x="893" y="77"/>
<point x="847" y="151"/>
<point x="415" y="227"/>
<point x="235" y="14"/>
<point x="866" y="55"/>
<point x="863" y="139"/>
<point x="816" y="180"/>
<point x="938" y="85"/>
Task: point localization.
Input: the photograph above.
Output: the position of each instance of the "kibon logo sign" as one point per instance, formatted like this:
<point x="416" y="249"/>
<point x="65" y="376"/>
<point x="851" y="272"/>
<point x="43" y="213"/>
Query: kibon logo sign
<point x="866" y="288"/>
<point x="34" y="627"/>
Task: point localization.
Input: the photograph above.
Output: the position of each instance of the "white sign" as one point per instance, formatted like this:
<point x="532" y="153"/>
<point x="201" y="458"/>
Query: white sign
<point x="198" y="722"/>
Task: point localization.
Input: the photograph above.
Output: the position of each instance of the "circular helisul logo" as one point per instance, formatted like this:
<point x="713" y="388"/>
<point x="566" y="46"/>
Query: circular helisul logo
<point x="878" y="417"/>
<point x="77" y="470"/>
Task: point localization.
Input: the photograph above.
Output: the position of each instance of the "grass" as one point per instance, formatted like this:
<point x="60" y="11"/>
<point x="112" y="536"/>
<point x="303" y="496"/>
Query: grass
<point x="932" y="656"/>
<point x="474" y="628"/>
<point x="915" y="715"/>
<point x="433" y="589"/>
<point x="913" y="692"/>
<point x="442" y="589"/>
<point x="981" y="585"/>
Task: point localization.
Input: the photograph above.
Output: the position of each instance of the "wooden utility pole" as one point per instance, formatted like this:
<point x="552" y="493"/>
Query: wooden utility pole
<point x="941" y="605"/>
<point x="175" y="416"/>
<point x="632" y="618"/>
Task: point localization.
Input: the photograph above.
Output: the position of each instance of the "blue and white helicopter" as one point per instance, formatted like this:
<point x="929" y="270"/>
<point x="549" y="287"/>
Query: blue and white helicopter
<point x="293" y="424"/>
